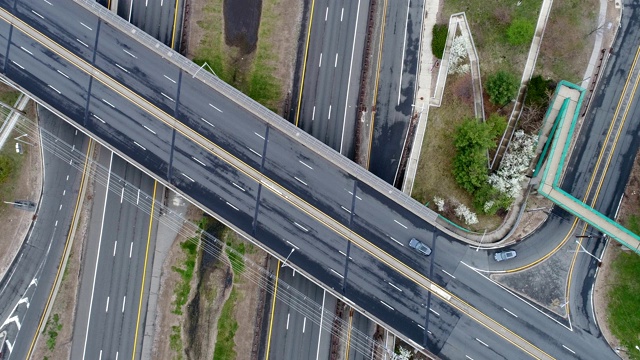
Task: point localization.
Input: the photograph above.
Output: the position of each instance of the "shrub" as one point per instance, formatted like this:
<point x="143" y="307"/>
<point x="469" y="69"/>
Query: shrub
<point x="439" y="39"/>
<point x="537" y="91"/>
<point x="501" y="87"/>
<point x="520" y="32"/>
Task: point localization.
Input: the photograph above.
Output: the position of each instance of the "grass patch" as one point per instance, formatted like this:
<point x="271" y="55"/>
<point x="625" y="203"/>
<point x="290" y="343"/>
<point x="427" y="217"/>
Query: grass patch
<point x="568" y="40"/>
<point x="9" y="97"/>
<point x="227" y="327"/>
<point x="175" y="341"/>
<point x="435" y="169"/>
<point x="10" y="166"/>
<point x="235" y="249"/>
<point x="253" y="77"/>
<point x="190" y="249"/>
<point x="623" y="299"/>
<point x="52" y="328"/>
<point x="489" y="22"/>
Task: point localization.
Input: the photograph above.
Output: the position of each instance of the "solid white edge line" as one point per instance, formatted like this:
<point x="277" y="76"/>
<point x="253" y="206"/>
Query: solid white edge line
<point x="404" y="44"/>
<point x="568" y="349"/>
<point x="95" y="273"/>
<point x="570" y="328"/>
<point x="324" y="293"/>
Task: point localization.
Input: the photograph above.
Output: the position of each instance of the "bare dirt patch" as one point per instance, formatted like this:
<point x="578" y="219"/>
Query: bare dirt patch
<point x="242" y="22"/>
<point x="166" y="320"/>
<point x="263" y="71"/>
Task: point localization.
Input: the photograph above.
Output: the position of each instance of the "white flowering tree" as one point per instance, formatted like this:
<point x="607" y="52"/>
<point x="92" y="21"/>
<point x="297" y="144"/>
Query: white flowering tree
<point x="439" y="202"/>
<point x="457" y="55"/>
<point x="403" y="354"/>
<point x="468" y="216"/>
<point x="508" y="179"/>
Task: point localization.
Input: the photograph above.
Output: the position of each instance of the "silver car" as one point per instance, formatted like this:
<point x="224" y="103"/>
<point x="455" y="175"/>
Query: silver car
<point x="504" y="255"/>
<point x="419" y="247"/>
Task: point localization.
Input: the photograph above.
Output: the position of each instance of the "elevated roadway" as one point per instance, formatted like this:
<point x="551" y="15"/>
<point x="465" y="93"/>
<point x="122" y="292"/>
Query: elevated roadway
<point x="225" y="153"/>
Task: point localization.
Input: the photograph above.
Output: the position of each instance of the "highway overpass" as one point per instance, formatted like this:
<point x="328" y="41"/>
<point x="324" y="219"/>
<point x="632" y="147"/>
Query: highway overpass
<point x="268" y="180"/>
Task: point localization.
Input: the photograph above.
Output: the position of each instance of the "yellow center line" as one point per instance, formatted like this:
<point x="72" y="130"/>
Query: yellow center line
<point x="175" y="20"/>
<point x="144" y="269"/>
<point x="273" y="310"/>
<point x="65" y="252"/>
<point x="608" y="162"/>
<point x="304" y="63"/>
<point x="346" y="353"/>
<point x="338" y="228"/>
<point x="375" y="89"/>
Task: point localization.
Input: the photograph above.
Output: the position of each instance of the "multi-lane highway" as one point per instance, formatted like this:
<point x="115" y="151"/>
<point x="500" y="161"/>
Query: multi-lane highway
<point x="25" y="288"/>
<point x="349" y="233"/>
<point x="397" y="77"/>
<point x="328" y="92"/>
<point x="120" y="244"/>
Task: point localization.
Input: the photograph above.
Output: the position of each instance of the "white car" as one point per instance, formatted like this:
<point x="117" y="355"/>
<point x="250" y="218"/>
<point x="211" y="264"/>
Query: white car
<point x="419" y="247"/>
<point x="504" y="255"/>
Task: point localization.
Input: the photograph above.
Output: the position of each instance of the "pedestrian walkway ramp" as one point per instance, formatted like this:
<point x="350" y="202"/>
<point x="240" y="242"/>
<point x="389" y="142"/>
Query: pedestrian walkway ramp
<point x="566" y="108"/>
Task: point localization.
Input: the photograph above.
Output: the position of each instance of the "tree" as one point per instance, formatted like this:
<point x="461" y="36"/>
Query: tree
<point x="501" y="87"/>
<point x="439" y="39"/>
<point x="520" y="32"/>
<point x="472" y="140"/>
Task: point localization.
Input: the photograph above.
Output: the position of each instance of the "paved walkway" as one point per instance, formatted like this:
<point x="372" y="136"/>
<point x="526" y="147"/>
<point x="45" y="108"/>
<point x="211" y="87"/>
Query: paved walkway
<point x="566" y="107"/>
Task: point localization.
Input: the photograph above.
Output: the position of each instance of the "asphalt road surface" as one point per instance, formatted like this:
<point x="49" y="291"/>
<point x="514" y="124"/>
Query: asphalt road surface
<point x="397" y="78"/>
<point x="267" y="214"/>
<point x="155" y="17"/>
<point x="120" y="243"/>
<point x="26" y="286"/>
<point x="332" y="73"/>
<point x="295" y="331"/>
